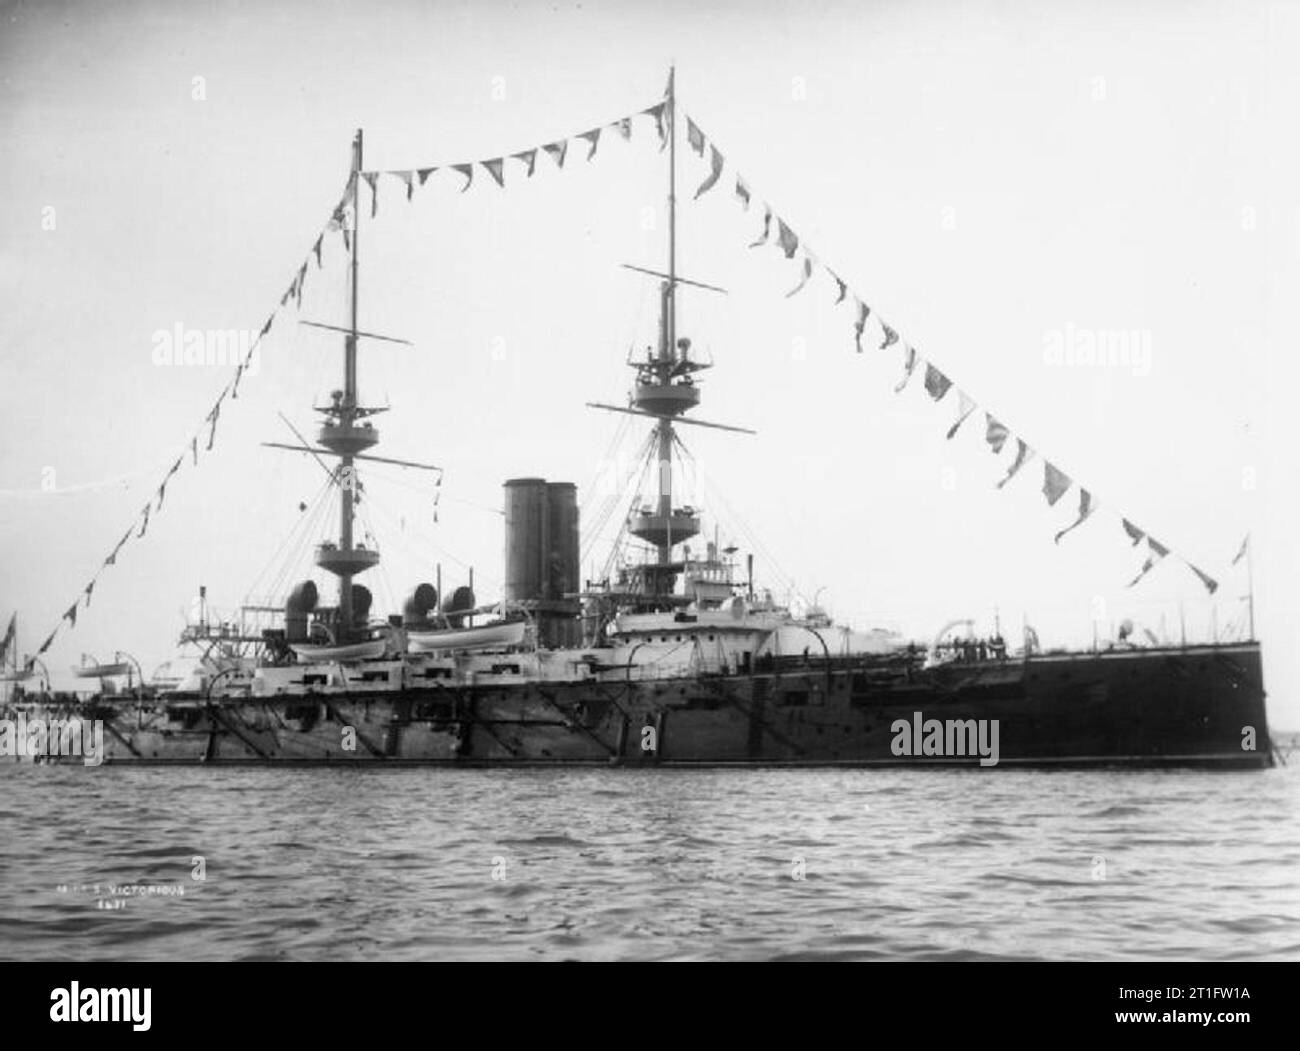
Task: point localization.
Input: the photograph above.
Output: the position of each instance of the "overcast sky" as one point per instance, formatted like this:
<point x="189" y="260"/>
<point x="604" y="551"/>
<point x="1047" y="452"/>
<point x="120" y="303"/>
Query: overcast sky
<point x="997" y="181"/>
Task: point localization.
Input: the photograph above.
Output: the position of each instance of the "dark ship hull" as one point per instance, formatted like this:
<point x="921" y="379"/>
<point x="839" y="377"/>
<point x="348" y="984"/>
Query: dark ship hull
<point x="1193" y="706"/>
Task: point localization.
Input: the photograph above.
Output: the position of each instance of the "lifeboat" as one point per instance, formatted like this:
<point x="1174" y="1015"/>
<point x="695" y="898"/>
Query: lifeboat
<point x="352" y="651"/>
<point x="489" y="636"/>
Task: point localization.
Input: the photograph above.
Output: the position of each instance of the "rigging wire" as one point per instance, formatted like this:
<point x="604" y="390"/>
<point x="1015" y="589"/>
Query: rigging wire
<point x="614" y="498"/>
<point x="439" y="554"/>
<point x="117" y="481"/>
<point x="783" y="578"/>
<point x="305" y="524"/>
<point x="606" y="462"/>
<point x="383" y="585"/>
<point x="619" y="540"/>
<point x="373" y="472"/>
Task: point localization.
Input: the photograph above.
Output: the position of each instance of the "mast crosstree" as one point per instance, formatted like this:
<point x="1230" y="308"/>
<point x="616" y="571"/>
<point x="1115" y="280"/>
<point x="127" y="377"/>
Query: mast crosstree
<point x="347" y="433"/>
<point x="341" y="435"/>
<point x="665" y="390"/>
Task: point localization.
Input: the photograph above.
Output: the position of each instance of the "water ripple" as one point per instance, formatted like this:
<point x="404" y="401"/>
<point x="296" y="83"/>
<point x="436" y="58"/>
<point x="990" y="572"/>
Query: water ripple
<point x="666" y="865"/>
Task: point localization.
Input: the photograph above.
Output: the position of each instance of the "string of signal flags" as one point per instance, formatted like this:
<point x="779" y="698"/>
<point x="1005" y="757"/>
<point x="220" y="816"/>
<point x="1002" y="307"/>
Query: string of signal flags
<point x="774" y="230"/>
<point x="340" y="225"/>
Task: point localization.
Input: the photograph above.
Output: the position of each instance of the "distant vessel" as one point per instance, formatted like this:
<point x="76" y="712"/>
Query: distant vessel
<point x="670" y="659"/>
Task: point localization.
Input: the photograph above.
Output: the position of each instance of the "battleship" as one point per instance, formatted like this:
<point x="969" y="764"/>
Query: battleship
<point x="675" y="656"/>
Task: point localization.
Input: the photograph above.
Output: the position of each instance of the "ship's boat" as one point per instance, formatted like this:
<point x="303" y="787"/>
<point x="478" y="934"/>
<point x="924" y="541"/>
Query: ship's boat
<point x="102" y="671"/>
<point x="350" y="651"/>
<point x="489" y="636"/>
<point x="671" y="655"/>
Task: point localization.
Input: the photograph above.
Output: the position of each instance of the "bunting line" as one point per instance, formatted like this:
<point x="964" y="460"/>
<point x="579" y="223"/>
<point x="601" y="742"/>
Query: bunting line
<point x="1023" y="455"/>
<point x="843" y="290"/>
<point x="1242" y="551"/>
<point x="339" y="222"/>
<point x="557" y="150"/>
<point x="909" y="366"/>
<point x="864" y="312"/>
<point x="714" y="175"/>
<point x="803" y="280"/>
<point x="937" y="383"/>
<point x="1086" y="508"/>
<point x="1055" y="484"/>
<point x="965" y="406"/>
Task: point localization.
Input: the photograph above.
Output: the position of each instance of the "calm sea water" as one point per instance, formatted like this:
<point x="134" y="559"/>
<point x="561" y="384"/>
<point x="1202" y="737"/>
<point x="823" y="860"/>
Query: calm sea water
<point x="615" y="864"/>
